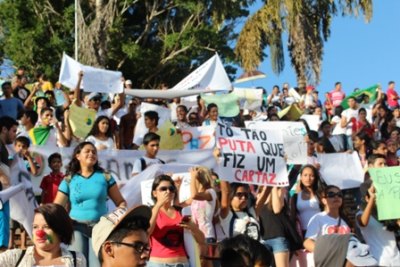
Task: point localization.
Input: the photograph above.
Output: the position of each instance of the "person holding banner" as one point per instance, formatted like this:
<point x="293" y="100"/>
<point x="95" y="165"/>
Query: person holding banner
<point x="87" y="206"/>
<point x="212" y="112"/>
<point x="329" y="221"/>
<point x="101" y="135"/>
<point x="166" y="227"/>
<point x="381" y="240"/>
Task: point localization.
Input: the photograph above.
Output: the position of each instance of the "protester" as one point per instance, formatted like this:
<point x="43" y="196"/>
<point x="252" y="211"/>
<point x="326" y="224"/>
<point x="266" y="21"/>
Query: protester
<point x="10" y="106"/>
<point x="329" y="221"/>
<point x="212" y="112"/>
<point x="87" y="206"/>
<point x="51" y="227"/>
<point x="51" y="182"/>
<point x="151" y="143"/>
<point x="120" y="231"/>
<point x="101" y="135"/>
<point x="167" y="225"/>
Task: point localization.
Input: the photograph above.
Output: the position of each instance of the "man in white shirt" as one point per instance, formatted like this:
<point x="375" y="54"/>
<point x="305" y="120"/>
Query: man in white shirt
<point x="348" y="117"/>
<point x="151" y="143"/>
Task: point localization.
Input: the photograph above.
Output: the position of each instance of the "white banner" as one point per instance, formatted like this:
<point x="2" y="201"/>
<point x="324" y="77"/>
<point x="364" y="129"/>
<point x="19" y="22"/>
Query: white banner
<point x="313" y="121"/>
<point x="202" y="137"/>
<point x="210" y="76"/>
<point x="164" y="94"/>
<point x="94" y="79"/>
<point x="120" y="162"/>
<point x="164" y="114"/>
<point x="341" y="169"/>
<point x="251" y="156"/>
<point x="293" y="138"/>
<point x="22" y="204"/>
<point x="250" y="98"/>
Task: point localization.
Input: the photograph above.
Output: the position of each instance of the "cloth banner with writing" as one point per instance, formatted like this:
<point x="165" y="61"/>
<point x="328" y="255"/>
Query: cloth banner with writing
<point x="293" y="134"/>
<point x="250" y="98"/>
<point x="202" y="137"/>
<point x="251" y="156"/>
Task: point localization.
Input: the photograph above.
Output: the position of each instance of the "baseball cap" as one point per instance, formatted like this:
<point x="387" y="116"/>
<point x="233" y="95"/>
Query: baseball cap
<point x="94" y="95"/>
<point x="128" y="82"/>
<point x="108" y="223"/>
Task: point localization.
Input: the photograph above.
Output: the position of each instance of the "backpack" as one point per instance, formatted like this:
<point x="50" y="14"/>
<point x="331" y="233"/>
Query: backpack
<point x="143" y="164"/>
<point x="24" y="251"/>
<point x="252" y="229"/>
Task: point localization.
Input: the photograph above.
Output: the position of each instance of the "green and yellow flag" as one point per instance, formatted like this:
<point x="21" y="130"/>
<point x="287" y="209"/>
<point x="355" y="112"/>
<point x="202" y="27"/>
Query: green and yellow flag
<point x="370" y="91"/>
<point x="39" y="135"/>
<point x="81" y="120"/>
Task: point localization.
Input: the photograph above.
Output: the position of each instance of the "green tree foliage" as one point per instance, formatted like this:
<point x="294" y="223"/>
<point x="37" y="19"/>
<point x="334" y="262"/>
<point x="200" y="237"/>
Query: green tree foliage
<point x="307" y="23"/>
<point x="150" y="41"/>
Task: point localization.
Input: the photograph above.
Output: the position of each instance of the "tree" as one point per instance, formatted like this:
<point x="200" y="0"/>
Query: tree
<point x="150" y="41"/>
<point x="307" y="23"/>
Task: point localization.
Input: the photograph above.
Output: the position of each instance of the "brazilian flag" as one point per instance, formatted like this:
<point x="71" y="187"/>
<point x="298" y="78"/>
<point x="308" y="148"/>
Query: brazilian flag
<point x="370" y="91"/>
<point x="40" y="134"/>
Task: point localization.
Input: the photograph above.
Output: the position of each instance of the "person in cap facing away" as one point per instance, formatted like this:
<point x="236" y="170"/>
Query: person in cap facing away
<point x="342" y="250"/>
<point x="120" y="238"/>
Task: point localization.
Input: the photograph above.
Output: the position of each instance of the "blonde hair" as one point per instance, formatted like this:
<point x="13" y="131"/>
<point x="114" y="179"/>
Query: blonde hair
<point x="204" y="177"/>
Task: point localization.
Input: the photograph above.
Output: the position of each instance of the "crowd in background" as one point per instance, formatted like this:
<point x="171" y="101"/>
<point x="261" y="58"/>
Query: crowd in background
<point x="287" y="222"/>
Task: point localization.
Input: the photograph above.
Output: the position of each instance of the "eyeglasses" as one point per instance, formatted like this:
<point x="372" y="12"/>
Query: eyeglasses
<point x="333" y="194"/>
<point x="165" y="188"/>
<point x="242" y="194"/>
<point x="139" y="247"/>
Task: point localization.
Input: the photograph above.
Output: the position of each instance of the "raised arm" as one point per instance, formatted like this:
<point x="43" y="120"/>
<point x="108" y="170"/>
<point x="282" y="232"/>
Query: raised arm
<point x="225" y="200"/>
<point x="363" y="219"/>
<point x="194" y="184"/>
<point x="263" y="193"/>
<point x="77" y="92"/>
<point x="278" y="199"/>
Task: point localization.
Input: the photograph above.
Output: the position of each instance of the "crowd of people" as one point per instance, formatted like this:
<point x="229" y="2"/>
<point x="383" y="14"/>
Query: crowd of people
<point x="234" y="224"/>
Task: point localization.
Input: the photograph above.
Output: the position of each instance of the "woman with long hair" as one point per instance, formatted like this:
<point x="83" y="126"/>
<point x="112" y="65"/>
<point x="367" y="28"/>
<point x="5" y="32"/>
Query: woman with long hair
<point x="166" y="226"/>
<point x="51" y="227"/>
<point x="87" y="187"/>
<point x="329" y="221"/>
<point x="101" y="135"/>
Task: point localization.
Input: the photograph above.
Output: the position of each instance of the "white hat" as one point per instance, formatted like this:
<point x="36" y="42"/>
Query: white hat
<point x="103" y="229"/>
<point x="94" y="95"/>
<point x="128" y="82"/>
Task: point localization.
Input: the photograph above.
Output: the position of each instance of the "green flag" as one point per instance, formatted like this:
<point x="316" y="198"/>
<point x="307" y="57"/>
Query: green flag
<point x="370" y="91"/>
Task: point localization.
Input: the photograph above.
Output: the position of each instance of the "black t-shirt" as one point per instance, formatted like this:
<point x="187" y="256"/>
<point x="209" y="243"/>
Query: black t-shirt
<point x="21" y="93"/>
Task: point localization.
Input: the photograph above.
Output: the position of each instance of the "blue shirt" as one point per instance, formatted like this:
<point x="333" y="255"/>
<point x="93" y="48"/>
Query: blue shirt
<point x="88" y="195"/>
<point x="11" y="107"/>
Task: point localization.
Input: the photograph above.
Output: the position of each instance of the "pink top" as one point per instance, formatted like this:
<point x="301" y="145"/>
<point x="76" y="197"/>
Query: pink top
<point x="392" y="103"/>
<point x="336" y="97"/>
<point x="167" y="238"/>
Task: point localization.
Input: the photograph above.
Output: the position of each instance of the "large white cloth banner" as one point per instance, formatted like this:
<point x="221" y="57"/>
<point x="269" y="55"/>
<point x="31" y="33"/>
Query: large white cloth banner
<point x="22" y="204"/>
<point x="164" y="114"/>
<point x="313" y="121"/>
<point x="94" y="79"/>
<point x="250" y="98"/>
<point x="210" y="76"/>
<point x="120" y="162"/>
<point x="251" y="156"/>
<point x="202" y="137"/>
<point x="293" y="138"/>
<point x="341" y="169"/>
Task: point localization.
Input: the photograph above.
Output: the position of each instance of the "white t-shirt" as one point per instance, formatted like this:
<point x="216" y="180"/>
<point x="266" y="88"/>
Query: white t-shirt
<point x="203" y="213"/>
<point x="239" y="225"/>
<point x="323" y="224"/>
<point x="349" y="114"/>
<point x="109" y="143"/>
<point x="338" y="129"/>
<point x="382" y="243"/>
<point x="137" y="165"/>
<point x="306" y="209"/>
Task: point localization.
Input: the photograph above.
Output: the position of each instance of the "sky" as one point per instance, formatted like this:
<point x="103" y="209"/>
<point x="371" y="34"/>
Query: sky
<point x="358" y="54"/>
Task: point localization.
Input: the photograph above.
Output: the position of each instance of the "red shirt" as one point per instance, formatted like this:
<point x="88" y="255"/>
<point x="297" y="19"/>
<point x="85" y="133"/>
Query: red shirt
<point x="49" y="186"/>
<point x="336" y="97"/>
<point x="167" y="238"/>
<point x="391" y="102"/>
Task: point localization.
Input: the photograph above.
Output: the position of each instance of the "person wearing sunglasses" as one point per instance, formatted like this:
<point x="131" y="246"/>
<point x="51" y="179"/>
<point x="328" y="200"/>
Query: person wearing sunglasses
<point x="237" y="215"/>
<point x="120" y="238"/>
<point x="330" y="221"/>
<point x="166" y="227"/>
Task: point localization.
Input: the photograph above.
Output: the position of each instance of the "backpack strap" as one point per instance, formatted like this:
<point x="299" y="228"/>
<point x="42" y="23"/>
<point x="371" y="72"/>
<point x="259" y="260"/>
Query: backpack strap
<point x="143" y="163"/>
<point x="20" y="257"/>
<point x="73" y="256"/>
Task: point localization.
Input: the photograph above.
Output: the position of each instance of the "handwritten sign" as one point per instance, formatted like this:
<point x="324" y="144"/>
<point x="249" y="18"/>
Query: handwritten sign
<point x="341" y="169"/>
<point x="387" y="185"/>
<point x="293" y="134"/>
<point x="251" y="156"/>
<point x="198" y="137"/>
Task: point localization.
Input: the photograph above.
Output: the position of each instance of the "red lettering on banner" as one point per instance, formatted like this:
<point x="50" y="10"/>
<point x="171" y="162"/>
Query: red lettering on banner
<point x="234" y="145"/>
<point x="250" y="176"/>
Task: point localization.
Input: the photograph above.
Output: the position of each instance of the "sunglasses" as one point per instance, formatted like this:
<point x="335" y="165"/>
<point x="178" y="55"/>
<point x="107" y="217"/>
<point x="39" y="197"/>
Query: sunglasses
<point x="165" y="188"/>
<point x="333" y="194"/>
<point x="242" y="194"/>
<point x="138" y="246"/>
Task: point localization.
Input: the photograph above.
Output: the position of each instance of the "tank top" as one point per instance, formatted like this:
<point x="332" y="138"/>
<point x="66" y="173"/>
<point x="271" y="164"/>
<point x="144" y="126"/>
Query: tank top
<point x="306" y="209"/>
<point x="271" y="223"/>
